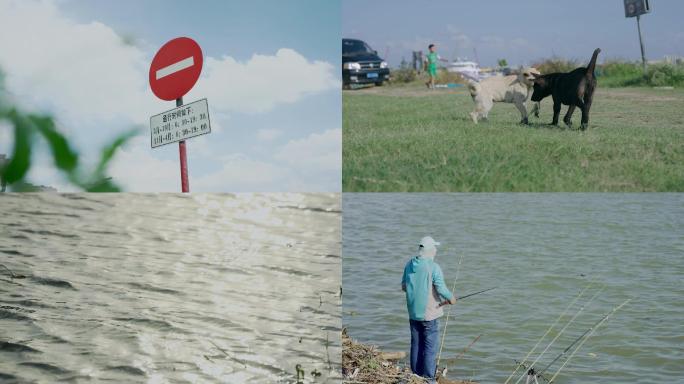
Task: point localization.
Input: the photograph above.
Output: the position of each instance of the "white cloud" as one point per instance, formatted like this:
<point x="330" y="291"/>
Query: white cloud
<point x="319" y="151"/>
<point x="263" y="82"/>
<point x="86" y="70"/>
<point x="268" y="134"/>
<point x="6" y="138"/>
<point x="137" y="169"/>
<point x="96" y="85"/>
<point x="37" y="175"/>
<point x="312" y="163"/>
<point x="239" y="173"/>
<point x="83" y="73"/>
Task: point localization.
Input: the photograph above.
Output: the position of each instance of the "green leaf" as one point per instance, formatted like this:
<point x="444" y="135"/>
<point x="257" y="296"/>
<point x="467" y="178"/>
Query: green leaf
<point x="65" y="158"/>
<point x="20" y="161"/>
<point x="108" y="151"/>
<point x="104" y="185"/>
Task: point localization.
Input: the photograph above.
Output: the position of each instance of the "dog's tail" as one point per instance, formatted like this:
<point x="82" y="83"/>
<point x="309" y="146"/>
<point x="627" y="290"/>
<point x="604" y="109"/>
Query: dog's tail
<point x="592" y="63"/>
<point x="474" y="88"/>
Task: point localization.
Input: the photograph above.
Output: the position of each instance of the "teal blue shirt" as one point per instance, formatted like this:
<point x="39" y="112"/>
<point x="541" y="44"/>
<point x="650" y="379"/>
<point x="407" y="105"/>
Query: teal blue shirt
<point x="425" y="289"/>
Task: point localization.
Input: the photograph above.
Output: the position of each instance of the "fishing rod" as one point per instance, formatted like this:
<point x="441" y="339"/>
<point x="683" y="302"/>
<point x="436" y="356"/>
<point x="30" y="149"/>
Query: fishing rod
<point x="565" y="351"/>
<point x="441" y="344"/>
<point x="560" y="333"/>
<point x="524" y="360"/>
<point x="468" y="295"/>
<point x="592" y="330"/>
<point x="475" y="293"/>
<point x="466" y="348"/>
<point x="444" y="371"/>
<point x="447" y="322"/>
<point x="531" y="372"/>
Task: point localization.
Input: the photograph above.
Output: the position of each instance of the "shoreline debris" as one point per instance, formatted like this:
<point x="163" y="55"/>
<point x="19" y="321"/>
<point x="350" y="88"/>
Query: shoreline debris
<point x="367" y="364"/>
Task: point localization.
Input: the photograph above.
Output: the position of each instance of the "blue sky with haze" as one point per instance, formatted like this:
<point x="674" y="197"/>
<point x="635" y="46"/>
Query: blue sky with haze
<point x="271" y="75"/>
<point x="238" y="28"/>
<point x="521" y="31"/>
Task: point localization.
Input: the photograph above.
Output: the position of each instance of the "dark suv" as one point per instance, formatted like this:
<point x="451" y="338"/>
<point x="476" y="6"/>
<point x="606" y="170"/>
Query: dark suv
<point x="361" y="64"/>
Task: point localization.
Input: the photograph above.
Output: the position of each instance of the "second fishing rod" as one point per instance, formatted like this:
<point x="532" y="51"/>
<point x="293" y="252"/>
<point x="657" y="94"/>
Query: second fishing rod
<point x="445" y="302"/>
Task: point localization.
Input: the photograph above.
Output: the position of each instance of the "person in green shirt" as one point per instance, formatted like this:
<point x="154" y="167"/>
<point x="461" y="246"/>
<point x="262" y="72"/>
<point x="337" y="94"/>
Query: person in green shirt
<point x="431" y="61"/>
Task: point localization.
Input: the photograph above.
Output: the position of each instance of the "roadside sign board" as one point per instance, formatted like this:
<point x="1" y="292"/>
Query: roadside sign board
<point x="175" y="68"/>
<point x="636" y="7"/>
<point x="180" y="123"/>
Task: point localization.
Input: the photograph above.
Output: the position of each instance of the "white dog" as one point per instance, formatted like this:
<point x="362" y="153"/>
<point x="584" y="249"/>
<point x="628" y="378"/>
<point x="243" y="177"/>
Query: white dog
<point x="514" y="89"/>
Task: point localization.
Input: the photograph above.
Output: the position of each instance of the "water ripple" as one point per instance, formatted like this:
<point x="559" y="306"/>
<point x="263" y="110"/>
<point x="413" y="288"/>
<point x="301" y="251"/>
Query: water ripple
<point x="541" y="250"/>
<point x="169" y="288"/>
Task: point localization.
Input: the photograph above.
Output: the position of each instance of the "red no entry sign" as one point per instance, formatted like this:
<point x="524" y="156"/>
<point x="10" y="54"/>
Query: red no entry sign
<point x="175" y="68"/>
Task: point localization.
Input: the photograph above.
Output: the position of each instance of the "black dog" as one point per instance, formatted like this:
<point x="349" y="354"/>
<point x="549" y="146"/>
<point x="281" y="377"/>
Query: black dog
<point x="575" y="89"/>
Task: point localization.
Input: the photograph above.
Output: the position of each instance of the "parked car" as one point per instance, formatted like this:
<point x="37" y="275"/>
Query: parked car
<point x="361" y="64"/>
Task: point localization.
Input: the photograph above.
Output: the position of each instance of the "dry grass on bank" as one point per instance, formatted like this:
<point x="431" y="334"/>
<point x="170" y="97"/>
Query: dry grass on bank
<point x="366" y="364"/>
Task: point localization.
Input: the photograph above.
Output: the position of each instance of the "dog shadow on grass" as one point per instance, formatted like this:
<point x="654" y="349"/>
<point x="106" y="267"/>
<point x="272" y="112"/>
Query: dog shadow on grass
<point x="468" y="122"/>
<point x="462" y="119"/>
<point x="548" y="126"/>
<point x="551" y="127"/>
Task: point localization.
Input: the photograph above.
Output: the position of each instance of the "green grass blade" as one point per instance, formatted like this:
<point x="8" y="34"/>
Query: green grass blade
<point x="108" y="151"/>
<point x="104" y="185"/>
<point x="20" y="162"/>
<point x="65" y="158"/>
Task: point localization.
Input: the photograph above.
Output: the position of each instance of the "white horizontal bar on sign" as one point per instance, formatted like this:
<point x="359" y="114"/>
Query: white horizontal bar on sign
<point x="173" y="68"/>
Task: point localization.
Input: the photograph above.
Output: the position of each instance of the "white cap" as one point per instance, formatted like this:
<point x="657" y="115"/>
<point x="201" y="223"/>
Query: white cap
<point x="428" y="247"/>
<point x="428" y="242"/>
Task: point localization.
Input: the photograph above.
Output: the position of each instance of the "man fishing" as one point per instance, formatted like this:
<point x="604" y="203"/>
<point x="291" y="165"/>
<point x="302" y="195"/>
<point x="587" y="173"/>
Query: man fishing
<point x="426" y="293"/>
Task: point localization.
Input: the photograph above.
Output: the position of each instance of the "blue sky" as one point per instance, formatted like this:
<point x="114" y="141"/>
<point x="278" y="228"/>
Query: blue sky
<point x="238" y="28"/>
<point x="271" y="76"/>
<point x="520" y="31"/>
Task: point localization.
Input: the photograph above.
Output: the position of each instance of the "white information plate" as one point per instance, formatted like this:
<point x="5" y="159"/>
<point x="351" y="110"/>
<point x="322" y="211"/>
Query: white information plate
<point x="180" y="123"/>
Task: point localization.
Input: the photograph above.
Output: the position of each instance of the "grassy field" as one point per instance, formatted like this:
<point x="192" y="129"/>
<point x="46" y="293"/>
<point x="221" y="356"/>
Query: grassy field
<point x="408" y="138"/>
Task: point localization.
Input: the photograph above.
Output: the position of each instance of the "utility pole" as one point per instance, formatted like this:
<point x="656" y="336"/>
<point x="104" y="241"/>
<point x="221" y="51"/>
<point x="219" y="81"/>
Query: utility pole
<point x="641" y="44"/>
<point x="636" y="8"/>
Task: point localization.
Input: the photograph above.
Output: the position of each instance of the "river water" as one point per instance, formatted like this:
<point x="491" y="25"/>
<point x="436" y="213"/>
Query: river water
<point x="166" y="288"/>
<point x="540" y="250"/>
